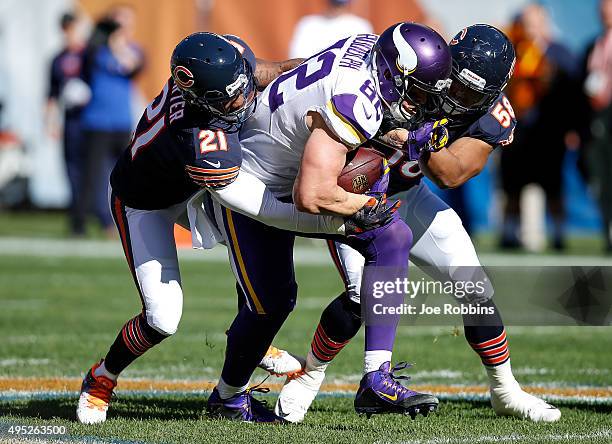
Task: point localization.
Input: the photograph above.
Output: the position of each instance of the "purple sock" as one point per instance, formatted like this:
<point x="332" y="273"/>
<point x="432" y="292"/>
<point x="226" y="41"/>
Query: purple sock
<point x="380" y="328"/>
<point x="386" y="251"/>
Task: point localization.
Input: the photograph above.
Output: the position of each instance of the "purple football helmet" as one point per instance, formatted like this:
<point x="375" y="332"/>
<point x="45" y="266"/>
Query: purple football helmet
<point x="412" y="63"/>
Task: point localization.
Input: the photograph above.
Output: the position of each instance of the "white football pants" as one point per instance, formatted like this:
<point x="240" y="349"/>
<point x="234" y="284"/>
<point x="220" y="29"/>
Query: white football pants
<point x="148" y="241"/>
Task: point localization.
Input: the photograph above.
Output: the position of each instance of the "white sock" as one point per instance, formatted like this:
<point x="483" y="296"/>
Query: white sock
<point x="374" y="359"/>
<point x="500" y="375"/>
<point x="313" y="363"/>
<point x="227" y="391"/>
<point x="101" y="371"/>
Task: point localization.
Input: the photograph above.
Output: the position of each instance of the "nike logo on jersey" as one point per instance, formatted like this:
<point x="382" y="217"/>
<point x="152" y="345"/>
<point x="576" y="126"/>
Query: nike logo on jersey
<point x="214" y="164"/>
<point x="392" y="398"/>
<point x="365" y="111"/>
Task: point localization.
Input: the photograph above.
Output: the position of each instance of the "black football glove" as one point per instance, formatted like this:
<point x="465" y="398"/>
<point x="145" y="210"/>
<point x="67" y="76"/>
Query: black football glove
<point x="374" y="214"/>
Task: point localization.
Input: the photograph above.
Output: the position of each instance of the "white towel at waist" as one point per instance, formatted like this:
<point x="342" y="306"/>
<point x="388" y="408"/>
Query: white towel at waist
<point x="204" y="233"/>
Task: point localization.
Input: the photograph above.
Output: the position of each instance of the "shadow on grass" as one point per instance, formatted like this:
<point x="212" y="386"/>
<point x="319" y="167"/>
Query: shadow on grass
<point x="594" y="408"/>
<point x="189" y="408"/>
<point x="144" y="408"/>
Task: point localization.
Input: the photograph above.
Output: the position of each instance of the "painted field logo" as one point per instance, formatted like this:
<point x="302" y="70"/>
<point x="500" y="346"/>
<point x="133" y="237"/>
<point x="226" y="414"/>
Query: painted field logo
<point x="360" y="184"/>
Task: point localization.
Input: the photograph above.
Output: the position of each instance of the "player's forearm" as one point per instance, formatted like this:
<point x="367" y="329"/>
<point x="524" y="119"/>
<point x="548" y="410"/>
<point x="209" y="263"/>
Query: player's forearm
<point x="443" y="168"/>
<point x="316" y="187"/>
<point x="331" y="200"/>
<point x="288" y="65"/>
<point x="249" y="196"/>
<point x="455" y="165"/>
<point x="267" y="71"/>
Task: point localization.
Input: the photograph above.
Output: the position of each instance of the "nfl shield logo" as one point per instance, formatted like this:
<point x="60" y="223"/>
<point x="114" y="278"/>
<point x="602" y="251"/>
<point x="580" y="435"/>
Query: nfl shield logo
<point x="360" y="184"/>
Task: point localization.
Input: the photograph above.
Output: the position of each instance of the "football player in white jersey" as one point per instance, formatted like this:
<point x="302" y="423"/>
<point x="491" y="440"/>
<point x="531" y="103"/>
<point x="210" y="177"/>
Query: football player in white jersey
<point x="296" y="143"/>
<point x="481" y="120"/>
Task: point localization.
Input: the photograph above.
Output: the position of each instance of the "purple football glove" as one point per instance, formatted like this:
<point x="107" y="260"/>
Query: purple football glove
<point x="381" y="185"/>
<point x="432" y="136"/>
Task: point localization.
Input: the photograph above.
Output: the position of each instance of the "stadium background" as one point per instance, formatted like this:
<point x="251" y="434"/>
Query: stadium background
<point x="30" y="37"/>
<point x="62" y="300"/>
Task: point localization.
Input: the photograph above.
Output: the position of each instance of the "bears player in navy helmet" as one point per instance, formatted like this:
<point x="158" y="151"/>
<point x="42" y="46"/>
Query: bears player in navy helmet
<point x="476" y="118"/>
<point x="186" y="146"/>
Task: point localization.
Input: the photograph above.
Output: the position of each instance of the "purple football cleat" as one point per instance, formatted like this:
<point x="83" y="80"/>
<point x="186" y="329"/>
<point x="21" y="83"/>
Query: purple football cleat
<point x="241" y="407"/>
<point x="379" y="392"/>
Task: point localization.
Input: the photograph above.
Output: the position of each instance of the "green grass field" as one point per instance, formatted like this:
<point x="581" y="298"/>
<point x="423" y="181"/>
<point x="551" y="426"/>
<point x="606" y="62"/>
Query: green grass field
<point x="58" y="315"/>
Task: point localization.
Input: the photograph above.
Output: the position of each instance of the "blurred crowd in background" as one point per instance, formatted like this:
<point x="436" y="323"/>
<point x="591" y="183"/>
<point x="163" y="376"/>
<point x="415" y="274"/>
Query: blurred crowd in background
<point x="101" y="62"/>
<point x="91" y="82"/>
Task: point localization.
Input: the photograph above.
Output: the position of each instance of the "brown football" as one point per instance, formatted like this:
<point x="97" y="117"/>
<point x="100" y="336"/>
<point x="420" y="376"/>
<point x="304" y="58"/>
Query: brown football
<point x="361" y="171"/>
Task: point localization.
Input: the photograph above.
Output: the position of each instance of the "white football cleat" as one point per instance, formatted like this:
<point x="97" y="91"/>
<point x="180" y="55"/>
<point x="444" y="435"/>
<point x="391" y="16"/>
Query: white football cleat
<point x="96" y="392"/>
<point x="511" y="400"/>
<point x="281" y="363"/>
<point x="297" y="395"/>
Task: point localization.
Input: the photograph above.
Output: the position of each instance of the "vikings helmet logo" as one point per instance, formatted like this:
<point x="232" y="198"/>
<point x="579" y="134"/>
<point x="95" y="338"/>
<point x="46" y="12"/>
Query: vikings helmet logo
<point x="183" y="77"/>
<point x="407" y="59"/>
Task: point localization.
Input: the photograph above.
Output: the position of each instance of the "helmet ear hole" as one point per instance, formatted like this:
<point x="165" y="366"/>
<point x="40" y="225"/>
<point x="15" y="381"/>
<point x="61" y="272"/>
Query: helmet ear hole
<point x="388" y="75"/>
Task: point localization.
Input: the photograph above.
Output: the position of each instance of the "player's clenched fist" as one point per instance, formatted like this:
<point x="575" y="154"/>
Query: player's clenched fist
<point x="374" y="214"/>
<point x="432" y="136"/>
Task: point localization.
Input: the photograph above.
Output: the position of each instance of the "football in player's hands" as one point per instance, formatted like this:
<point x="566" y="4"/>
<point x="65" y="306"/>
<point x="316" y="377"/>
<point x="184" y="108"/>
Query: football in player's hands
<point x="363" y="169"/>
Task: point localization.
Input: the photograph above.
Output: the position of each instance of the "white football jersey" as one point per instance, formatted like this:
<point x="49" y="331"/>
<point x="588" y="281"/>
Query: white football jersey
<point x="338" y="84"/>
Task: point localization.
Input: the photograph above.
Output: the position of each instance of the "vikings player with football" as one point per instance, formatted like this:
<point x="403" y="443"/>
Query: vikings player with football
<point x="187" y="141"/>
<point x="296" y="142"/>
<point x="481" y="119"/>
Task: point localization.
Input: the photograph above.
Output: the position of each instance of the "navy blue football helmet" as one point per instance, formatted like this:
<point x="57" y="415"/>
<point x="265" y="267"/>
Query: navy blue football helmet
<point x="483" y="62"/>
<point x="212" y="76"/>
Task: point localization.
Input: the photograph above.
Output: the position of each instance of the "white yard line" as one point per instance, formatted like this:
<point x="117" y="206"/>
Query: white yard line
<point x="47" y="247"/>
<point x="12" y="362"/>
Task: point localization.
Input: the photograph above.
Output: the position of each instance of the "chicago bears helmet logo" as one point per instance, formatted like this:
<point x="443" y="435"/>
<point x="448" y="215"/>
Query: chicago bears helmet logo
<point x="462" y="34"/>
<point x="183" y="77"/>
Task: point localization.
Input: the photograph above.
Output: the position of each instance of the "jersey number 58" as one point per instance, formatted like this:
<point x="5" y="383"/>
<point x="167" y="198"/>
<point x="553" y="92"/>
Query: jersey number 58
<point x="503" y="112"/>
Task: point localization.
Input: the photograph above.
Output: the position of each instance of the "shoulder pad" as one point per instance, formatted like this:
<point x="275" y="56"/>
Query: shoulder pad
<point x="354" y="118"/>
<point x="496" y="126"/>
<point x="218" y="158"/>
